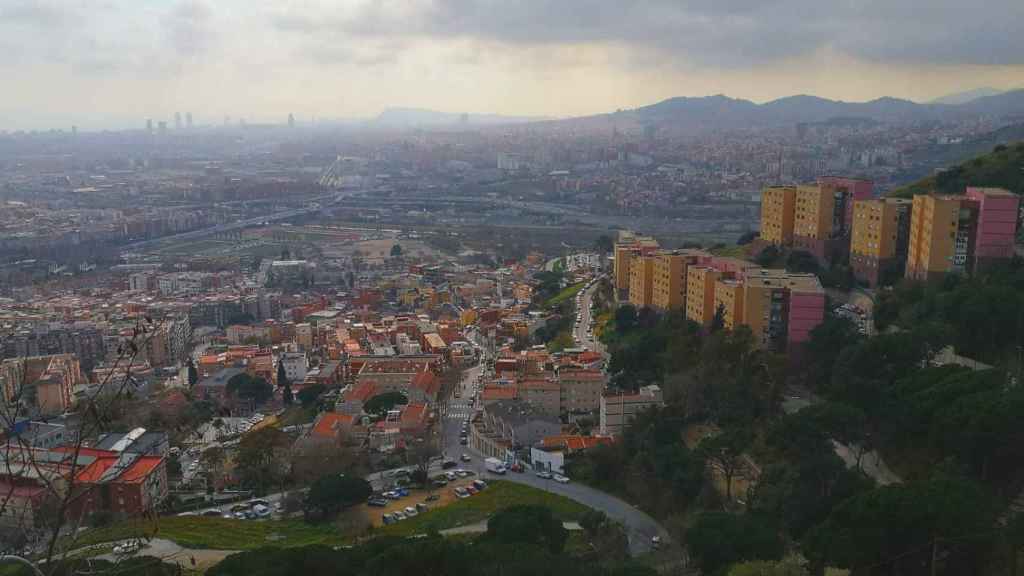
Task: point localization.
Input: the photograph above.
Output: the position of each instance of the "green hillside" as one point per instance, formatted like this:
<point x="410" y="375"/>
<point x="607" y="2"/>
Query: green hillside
<point x="1001" y="168"/>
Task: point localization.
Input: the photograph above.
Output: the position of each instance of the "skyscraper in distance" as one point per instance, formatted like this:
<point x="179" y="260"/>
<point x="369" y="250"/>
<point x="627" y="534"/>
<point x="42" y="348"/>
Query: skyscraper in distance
<point x="149" y="125"/>
<point x="188" y="120"/>
<point x="291" y="120"/>
<point x="177" y="120"/>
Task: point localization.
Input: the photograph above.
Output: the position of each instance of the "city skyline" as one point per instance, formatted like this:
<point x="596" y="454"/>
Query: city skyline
<point x="109" y="65"/>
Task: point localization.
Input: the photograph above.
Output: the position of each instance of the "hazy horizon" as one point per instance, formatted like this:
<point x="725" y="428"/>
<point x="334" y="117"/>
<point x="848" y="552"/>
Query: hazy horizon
<point x="113" y="64"/>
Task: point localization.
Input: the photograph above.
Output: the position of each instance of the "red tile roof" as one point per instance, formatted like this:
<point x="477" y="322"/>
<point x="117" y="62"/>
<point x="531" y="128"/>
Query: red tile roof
<point x="428" y="382"/>
<point x="414" y="414"/>
<point x="141" y="469"/>
<point x="327" y="424"/>
<point x="362" y="391"/>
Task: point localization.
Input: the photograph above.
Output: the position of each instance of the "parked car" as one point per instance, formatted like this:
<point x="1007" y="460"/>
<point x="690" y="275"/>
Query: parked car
<point x="449" y="464"/>
<point x="465" y="457"/>
<point x="433" y="497"/>
<point x="410" y="511"/>
<point x="378" y="502"/>
<point x="388" y="519"/>
<point x="261" y="511"/>
<point x="479" y="484"/>
<point x="560" y="479"/>
<point x="461" y="492"/>
<point x="399" y="515"/>
<point x="472" y="490"/>
<point x="544" y="474"/>
<point x="440" y="483"/>
<point x="421" y="507"/>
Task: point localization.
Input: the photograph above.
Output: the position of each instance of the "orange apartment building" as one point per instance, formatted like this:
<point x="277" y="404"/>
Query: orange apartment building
<point x="941" y="233"/>
<point x="700" y="293"/>
<point x="781" y="308"/>
<point x="729" y="297"/>
<point x="777" y="215"/>
<point x="641" y="276"/>
<point x="879" y="239"/>
<point x="628" y="247"/>
<point x="669" y="277"/>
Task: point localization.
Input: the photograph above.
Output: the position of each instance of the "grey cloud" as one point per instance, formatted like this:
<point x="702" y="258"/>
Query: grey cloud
<point x="708" y="32"/>
<point x="189" y="28"/>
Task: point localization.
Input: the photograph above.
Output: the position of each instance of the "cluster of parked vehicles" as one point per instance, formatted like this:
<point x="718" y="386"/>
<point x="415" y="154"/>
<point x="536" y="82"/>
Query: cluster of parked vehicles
<point x="467" y="491"/>
<point x="579" y="309"/>
<point x="552" y="476"/>
<point x="407" y="512"/>
<point x="251" y="510"/>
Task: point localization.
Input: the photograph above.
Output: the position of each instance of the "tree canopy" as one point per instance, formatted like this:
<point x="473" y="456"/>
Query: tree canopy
<point x="334" y="492"/>
<point x="247" y="387"/>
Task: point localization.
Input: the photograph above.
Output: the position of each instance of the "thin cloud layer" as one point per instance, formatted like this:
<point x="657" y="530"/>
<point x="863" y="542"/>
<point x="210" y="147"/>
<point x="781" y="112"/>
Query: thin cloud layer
<point x="264" y="58"/>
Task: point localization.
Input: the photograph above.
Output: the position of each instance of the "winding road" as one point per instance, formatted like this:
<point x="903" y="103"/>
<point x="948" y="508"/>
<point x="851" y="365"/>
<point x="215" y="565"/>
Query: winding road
<point x="640" y="527"/>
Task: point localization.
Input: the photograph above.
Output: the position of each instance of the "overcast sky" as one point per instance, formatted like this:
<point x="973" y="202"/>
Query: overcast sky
<point x="114" y="63"/>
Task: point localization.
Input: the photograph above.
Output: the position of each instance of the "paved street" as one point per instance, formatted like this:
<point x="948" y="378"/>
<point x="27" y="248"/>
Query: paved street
<point x="640" y="527"/>
<point x="580" y="332"/>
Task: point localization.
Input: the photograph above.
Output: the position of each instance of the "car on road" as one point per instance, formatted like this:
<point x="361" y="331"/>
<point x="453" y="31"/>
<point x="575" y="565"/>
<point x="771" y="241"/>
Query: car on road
<point x="464" y="441"/>
<point x="655" y="542"/>
<point x="449" y="464"/>
<point x="465" y="457"/>
<point x="560" y="479"/>
<point x="451" y="476"/>
<point x="543" y="474"/>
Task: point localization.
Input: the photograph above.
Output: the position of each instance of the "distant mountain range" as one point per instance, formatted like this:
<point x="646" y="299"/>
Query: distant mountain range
<point x="967" y="95"/>
<point x="412" y="117"/>
<point x="724" y="112"/>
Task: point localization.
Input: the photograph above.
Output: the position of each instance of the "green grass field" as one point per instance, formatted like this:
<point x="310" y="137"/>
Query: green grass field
<point x="218" y="533"/>
<point x="566" y="293"/>
<point x="222" y="534"/>
<point x="499" y="494"/>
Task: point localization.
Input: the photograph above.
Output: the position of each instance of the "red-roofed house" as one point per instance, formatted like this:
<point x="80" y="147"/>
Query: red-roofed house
<point x="425" y="387"/>
<point x="333" y="427"/>
<point x="491" y="394"/>
<point x="413" y="421"/>
<point x="355" y="397"/>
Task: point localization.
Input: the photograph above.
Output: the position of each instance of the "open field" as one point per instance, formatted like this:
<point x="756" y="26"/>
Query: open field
<point x="218" y="533"/>
<point x="566" y="293"/>
<point x="498" y="495"/>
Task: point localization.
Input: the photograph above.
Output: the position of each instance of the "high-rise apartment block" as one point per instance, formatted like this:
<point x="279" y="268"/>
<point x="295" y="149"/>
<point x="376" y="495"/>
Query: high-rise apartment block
<point x="641" y="277"/>
<point x="669" y="277"/>
<point x="815" y="218"/>
<point x="879" y="240"/>
<point x="998" y="217"/>
<point x="942" y="231"/>
<point x="777" y="214"/>
<point x="960" y="234"/>
<point x="628" y="247"/>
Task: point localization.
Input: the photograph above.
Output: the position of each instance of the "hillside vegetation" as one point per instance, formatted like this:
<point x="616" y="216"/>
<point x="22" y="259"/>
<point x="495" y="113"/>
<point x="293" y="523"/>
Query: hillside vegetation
<point x="1001" y="168"/>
